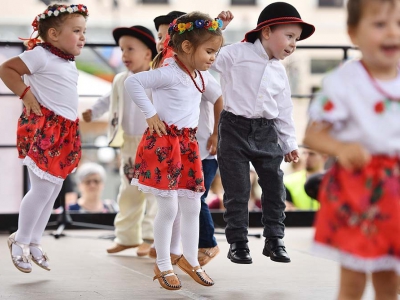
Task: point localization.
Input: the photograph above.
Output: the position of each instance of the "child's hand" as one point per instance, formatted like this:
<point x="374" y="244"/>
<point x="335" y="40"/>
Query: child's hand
<point x="31" y="104"/>
<point x="212" y="144"/>
<point x="292" y="156"/>
<point x="155" y="124"/>
<point x="226" y="17"/>
<point x="353" y="156"/>
<point x="87" y="115"/>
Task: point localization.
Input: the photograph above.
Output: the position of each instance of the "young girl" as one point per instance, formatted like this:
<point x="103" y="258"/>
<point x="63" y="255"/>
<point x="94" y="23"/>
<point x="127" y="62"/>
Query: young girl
<point x="167" y="160"/>
<point x="48" y="132"/>
<point x="356" y="119"/>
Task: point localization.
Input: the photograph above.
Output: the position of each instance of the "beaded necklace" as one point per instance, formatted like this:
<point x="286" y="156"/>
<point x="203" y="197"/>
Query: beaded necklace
<point x="377" y="86"/>
<point x="187" y="71"/>
<point x="56" y="51"/>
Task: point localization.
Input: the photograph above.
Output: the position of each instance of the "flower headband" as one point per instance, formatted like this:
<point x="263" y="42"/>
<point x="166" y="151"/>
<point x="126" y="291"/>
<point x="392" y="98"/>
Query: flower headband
<point x="61" y="9"/>
<point x="189" y="26"/>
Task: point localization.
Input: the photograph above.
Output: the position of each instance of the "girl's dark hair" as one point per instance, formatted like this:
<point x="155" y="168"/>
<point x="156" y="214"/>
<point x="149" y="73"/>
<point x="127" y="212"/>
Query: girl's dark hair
<point x="53" y="22"/>
<point x="196" y="37"/>
<point x="355" y="10"/>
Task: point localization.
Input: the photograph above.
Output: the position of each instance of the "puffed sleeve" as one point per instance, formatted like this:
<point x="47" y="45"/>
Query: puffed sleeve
<point x="35" y="59"/>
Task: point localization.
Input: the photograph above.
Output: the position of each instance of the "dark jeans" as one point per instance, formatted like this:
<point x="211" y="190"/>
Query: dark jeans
<point x="206" y="237"/>
<point x="243" y="140"/>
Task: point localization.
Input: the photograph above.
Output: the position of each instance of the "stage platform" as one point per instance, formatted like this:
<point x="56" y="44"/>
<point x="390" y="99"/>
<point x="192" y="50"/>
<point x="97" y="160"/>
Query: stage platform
<point x="81" y="269"/>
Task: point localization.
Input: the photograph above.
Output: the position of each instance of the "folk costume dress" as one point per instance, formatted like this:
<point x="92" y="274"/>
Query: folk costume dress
<point x="50" y="144"/>
<point x="359" y="220"/>
<point x="169" y="165"/>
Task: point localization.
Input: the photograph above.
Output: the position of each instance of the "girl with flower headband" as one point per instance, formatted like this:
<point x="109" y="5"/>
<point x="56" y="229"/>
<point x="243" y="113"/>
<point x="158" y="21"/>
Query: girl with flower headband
<point x="167" y="160"/>
<point x="48" y="138"/>
<point x="355" y="118"/>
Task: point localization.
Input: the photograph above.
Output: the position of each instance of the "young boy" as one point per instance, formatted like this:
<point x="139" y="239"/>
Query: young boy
<point x="257" y="113"/>
<point x="207" y="137"/>
<point x="133" y="227"/>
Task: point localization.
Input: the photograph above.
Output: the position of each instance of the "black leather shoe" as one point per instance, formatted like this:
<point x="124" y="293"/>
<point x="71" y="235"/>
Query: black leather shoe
<point x="239" y="253"/>
<point x="275" y="249"/>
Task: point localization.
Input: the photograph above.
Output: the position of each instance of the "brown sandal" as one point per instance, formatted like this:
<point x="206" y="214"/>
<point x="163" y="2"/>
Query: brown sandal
<point x="167" y="282"/>
<point x="200" y="277"/>
<point x="206" y="254"/>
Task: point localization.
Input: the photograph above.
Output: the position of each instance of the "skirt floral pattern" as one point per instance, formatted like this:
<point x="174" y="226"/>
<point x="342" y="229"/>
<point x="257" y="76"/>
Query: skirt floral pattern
<point x="169" y="164"/>
<point x="359" y="220"/>
<point x="49" y="144"/>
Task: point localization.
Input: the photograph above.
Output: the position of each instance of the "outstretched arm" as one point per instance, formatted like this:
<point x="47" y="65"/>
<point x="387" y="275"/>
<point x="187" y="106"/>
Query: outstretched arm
<point x="226" y="17"/>
<point x="11" y="72"/>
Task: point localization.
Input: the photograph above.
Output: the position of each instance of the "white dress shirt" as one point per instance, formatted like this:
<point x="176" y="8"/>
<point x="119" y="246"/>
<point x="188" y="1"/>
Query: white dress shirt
<point x="358" y="111"/>
<point x="176" y="100"/>
<point x="254" y="86"/>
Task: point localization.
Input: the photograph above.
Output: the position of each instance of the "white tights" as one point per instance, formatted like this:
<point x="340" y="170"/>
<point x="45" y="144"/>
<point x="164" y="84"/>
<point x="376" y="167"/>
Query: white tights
<point x="35" y="211"/>
<point x="171" y="212"/>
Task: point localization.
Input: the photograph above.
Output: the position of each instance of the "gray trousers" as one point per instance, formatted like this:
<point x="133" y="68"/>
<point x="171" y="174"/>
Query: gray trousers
<point x="242" y="140"/>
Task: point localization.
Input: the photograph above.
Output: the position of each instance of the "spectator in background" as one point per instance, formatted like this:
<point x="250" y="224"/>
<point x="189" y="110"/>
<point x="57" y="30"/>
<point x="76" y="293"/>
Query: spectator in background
<point x="90" y="178"/>
<point x="296" y="196"/>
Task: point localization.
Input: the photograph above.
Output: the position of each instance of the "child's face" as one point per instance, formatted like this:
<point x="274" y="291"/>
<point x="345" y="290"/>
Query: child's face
<point x="378" y="35"/>
<point x="280" y="42"/>
<point x="205" y="54"/>
<point x="136" y="56"/>
<point x="162" y="33"/>
<point x="71" y="36"/>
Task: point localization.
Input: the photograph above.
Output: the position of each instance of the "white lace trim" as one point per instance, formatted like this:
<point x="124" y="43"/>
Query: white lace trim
<point x="27" y="161"/>
<point x="166" y="193"/>
<point x="183" y="76"/>
<point x="357" y="263"/>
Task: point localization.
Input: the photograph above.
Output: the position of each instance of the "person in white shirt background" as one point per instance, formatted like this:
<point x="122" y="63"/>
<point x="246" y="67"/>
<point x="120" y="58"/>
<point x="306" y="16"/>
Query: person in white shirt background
<point x="48" y="138"/>
<point x="134" y="221"/>
<point x="167" y="161"/>
<point x="257" y="114"/>
<point x="207" y="136"/>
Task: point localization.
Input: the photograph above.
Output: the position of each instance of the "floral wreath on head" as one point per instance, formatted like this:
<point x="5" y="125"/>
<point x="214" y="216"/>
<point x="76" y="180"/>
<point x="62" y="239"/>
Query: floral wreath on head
<point x="189" y="26"/>
<point x="60" y="9"/>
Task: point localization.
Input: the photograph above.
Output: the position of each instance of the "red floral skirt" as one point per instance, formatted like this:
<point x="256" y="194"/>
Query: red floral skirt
<point x="50" y="144"/>
<point x="169" y="164"/>
<point x="359" y="220"/>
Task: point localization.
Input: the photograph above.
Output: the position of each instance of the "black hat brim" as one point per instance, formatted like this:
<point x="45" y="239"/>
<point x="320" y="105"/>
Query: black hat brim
<point x="167" y="19"/>
<point x="307" y="31"/>
<point x="147" y="39"/>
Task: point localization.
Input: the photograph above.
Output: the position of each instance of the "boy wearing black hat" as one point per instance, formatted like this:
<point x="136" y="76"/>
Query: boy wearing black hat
<point x="133" y="228"/>
<point x="257" y="114"/>
<point x="207" y="138"/>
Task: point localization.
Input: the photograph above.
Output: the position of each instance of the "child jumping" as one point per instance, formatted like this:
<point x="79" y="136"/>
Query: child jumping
<point x="134" y="221"/>
<point x="256" y="126"/>
<point x="356" y="119"/>
<point x="167" y="161"/>
<point x="48" y="138"/>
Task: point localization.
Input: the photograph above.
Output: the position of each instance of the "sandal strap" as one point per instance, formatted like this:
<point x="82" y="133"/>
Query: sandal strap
<point x="162" y="274"/>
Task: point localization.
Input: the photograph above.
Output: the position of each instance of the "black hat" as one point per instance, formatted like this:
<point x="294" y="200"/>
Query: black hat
<point x="279" y="13"/>
<point x="140" y="32"/>
<point x="168" y="18"/>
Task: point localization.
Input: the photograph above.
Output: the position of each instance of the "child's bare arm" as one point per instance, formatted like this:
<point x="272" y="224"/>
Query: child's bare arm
<point x="11" y="72"/>
<point x="213" y="140"/>
<point x="349" y="155"/>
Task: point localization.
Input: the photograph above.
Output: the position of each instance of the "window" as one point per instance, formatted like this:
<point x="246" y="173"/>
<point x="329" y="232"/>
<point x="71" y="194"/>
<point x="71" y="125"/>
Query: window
<point x="154" y="1"/>
<point x="330" y="3"/>
<point x="321" y="66"/>
<point x="243" y="2"/>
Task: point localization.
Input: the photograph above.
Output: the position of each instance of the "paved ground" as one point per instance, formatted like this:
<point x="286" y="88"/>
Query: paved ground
<point x="81" y="269"/>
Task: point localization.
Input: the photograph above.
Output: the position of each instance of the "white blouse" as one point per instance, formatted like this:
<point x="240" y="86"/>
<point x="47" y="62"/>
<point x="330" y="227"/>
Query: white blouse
<point x="254" y="86"/>
<point x="358" y="111"/>
<point x="176" y="100"/>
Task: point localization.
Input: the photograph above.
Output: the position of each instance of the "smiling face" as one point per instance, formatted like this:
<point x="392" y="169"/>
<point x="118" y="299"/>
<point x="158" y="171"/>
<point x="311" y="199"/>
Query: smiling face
<point x="136" y="56"/>
<point x="280" y="40"/>
<point x="161" y="34"/>
<point x="70" y="36"/>
<point x="377" y="35"/>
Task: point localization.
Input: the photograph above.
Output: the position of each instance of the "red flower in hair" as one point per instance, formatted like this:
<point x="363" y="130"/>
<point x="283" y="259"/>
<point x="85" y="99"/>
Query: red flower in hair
<point x="207" y="24"/>
<point x="379" y="107"/>
<point x="328" y="106"/>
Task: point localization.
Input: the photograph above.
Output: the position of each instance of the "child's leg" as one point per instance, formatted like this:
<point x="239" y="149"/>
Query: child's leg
<point x="385" y="284"/>
<point x="190" y="208"/>
<point x="163" y="222"/>
<point x="352" y="284"/>
<point x="33" y="206"/>
<point x="176" y="235"/>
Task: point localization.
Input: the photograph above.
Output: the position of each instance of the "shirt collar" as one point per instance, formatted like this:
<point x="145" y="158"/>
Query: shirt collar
<point x="261" y="51"/>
